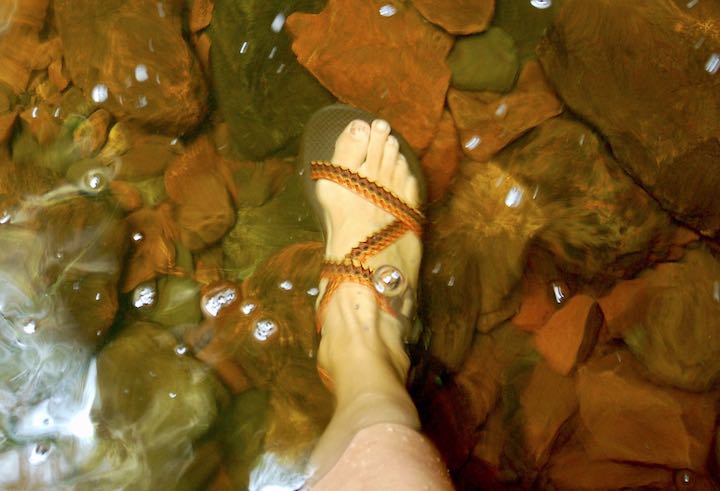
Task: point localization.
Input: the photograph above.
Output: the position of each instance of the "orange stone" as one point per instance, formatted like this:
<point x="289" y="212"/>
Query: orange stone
<point x="630" y="419"/>
<point x="393" y="65"/>
<point x="458" y="16"/>
<point x="570" y="335"/>
<point x="201" y="13"/>
<point x="623" y="307"/>
<point x="442" y="159"/>
<point x="196" y="184"/>
<point x="488" y="121"/>
<point x="127" y="195"/>
<point x="7" y="122"/>
<point x="57" y="75"/>
<point x="547" y="401"/>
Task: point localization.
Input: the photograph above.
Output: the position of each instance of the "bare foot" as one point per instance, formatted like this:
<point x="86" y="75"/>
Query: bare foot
<point x="362" y="347"/>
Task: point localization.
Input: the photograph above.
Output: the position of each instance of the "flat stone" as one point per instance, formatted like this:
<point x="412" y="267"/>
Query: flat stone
<point x="397" y="61"/>
<point x="263" y="93"/>
<point x="669" y="318"/>
<point x="458" y="16"/>
<point x="544" y="415"/>
<point x="572" y="468"/>
<point x="442" y="158"/>
<point x="196" y="183"/>
<point x="20" y="46"/>
<point x="486" y="61"/>
<point x="474" y="258"/>
<point x="569" y="336"/>
<point x="138" y="65"/>
<point x="658" y="111"/>
<point x="630" y="419"/>
<point x="488" y="121"/>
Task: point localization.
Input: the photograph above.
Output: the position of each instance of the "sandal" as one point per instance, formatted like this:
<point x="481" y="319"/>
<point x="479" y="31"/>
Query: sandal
<point x="389" y="285"/>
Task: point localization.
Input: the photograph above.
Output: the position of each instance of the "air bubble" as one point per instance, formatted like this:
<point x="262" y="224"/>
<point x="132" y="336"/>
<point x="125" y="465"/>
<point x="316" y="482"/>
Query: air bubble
<point x="5" y="218"/>
<point x="472" y="142"/>
<point x="514" y="197"/>
<point x="501" y="110"/>
<point x="180" y="349"/>
<point x="559" y="292"/>
<point x="388" y="10"/>
<point x="30" y="327"/>
<point x="34" y="112"/>
<point x="313" y="292"/>
<point x="215" y="303"/>
<point x="137" y="236"/>
<point x="94" y="181"/>
<point x="278" y="22"/>
<point x="144" y="296"/>
<point x="541" y="4"/>
<point x="99" y="93"/>
<point x="264" y="328"/>
<point x="142" y="101"/>
<point x="172" y="395"/>
<point x="141" y="73"/>
<point x="243" y="47"/>
<point x="713" y="64"/>
<point x="247" y="308"/>
<point x="286" y="285"/>
<point x="39" y="454"/>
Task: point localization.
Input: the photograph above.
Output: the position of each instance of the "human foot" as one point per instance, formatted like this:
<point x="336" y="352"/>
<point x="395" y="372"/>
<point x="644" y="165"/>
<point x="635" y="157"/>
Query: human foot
<point x="372" y="227"/>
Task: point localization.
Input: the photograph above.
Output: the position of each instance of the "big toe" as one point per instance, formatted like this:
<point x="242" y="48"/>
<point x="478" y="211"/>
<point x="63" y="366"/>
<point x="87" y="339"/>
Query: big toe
<point x="352" y="145"/>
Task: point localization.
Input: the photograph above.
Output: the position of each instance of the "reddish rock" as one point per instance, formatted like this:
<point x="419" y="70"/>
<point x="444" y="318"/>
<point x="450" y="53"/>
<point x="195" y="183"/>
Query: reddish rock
<point x="91" y="134"/>
<point x="569" y="336"/>
<point x="41" y="122"/>
<point x="488" y="121"/>
<point x="542" y="291"/>
<point x="547" y="402"/>
<point x="491" y="441"/>
<point x="153" y="249"/>
<point x="393" y="66"/>
<point x="458" y="16"/>
<point x="669" y="318"/>
<point x="629" y="419"/>
<point x="442" y="159"/>
<point x="127" y="195"/>
<point x="138" y="65"/>
<point x="572" y="469"/>
<point x="657" y="108"/>
<point x="7" y="122"/>
<point x="195" y="182"/>
<point x="201" y="13"/>
<point x="57" y="75"/>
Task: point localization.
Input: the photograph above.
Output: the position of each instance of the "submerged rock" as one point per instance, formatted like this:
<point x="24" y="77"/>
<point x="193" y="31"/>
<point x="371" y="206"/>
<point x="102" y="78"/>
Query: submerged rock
<point x="657" y="108"/>
<point x="669" y="317"/>
<point x="488" y="121"/>
<point x="138" y="65"/>
<point x="385" y="59"/>
<point x="525" y="21"/>
<point x="458" y="16"/>
<point x="442" y="160"/>
<point x="486" y="61"/>
<point x="263" y="93"/>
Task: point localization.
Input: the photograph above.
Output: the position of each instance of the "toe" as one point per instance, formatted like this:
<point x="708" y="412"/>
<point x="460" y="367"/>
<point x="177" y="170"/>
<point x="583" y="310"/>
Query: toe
<point x="380" y="129"/>
<point x="388" y="165"/>
<point x="406" y="183"/>
<point x="352" y="145"/>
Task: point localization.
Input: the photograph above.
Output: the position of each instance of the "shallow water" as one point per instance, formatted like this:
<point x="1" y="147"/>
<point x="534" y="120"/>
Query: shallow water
<point x="160" y="262"/>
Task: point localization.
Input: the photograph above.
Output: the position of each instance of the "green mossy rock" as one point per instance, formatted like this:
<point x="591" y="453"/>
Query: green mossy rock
<point x="525" y="23"/>
<point x="264" y="94"/>
<point x="273" y="214"/>
<point x="486" y="61"/>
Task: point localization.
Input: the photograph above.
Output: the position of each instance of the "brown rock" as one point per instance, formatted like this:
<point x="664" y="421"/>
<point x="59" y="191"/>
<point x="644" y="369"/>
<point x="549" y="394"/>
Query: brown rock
<point x="20" y="46"/>
<point x="491" y="441"/>
<point x="136" y="154"/>
<point x="41" y="122"/>
<point x="57" y="75"/>
<point x="488" y="121"/>
<point x="669" y="318"/>
<point x="458" y="16"/>
<point x="196" y="183"/>
<point x="127" y="195"/>
<point x="138" y="65"/>
<point x="629" y="419"/>
<point x="542" y="292"/>
<point x="91" y="134"/>
<point x="202" y="42"/>
<point x="572" y="469"/>
<point x="7" y="122"/>
<point x="201" y="13"/>
<point x="397" y="62"/>
<point x="600" y="225"/>
<point x="153" y="251"/>
<point x="657" y="109"/>
<point x="569" y="336"/>
<point x="547" y="402"/>
<point x="474" y="259"/>
<point x="442" y="159"/>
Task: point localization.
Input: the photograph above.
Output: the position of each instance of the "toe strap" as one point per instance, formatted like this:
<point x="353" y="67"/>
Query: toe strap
<point x="370" y="190"/>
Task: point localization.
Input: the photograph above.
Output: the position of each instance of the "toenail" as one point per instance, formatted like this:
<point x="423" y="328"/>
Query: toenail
<point x="381" y="124"/>
<point x="358" y="128"/>
<point x="392" y="140"/>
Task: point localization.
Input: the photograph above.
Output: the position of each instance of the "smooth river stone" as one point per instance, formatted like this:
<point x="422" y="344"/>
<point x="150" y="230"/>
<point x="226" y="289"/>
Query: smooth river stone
<point x="486" y="61"/>
<point x="458" y="16"/>
<point x="383" y="58"/>
<point x="136" y="51"/>
<point x="656" y="107"/>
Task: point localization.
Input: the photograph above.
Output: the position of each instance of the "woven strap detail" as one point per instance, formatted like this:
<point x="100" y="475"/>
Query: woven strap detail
<point x="378" y="241"/>
<point x="372" y="191"/>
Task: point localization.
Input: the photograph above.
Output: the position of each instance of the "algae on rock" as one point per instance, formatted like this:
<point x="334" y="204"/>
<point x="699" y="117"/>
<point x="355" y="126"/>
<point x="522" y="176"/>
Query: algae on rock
<point x="264" y="94"/>
<point x="486" y="61"/>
